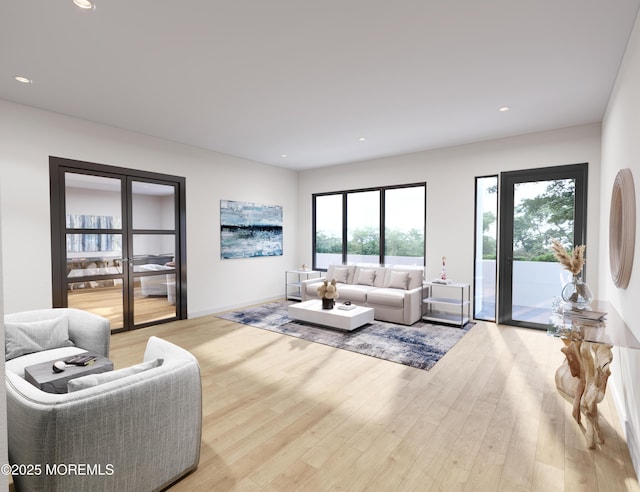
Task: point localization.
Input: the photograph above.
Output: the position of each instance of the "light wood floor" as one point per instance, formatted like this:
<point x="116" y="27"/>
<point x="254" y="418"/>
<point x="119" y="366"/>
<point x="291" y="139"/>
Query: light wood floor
<point x="283" y="414"/>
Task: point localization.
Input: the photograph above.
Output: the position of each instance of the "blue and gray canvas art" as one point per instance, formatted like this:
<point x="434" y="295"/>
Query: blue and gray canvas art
<point x="248" y="230"/>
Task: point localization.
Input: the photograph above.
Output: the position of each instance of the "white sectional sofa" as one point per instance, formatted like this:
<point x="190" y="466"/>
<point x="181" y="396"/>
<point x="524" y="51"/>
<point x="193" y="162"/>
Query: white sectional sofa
<point x="395" y="293"/>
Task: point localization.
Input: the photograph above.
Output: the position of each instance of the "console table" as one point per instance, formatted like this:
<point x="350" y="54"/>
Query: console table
<point x="582" y="377"/>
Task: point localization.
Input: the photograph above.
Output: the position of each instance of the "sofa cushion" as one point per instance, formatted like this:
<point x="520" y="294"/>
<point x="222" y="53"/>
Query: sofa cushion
<point x="381" y="276"/>
<point x="312" y="287"/>
<point x="386" y="297"/>
<point x="355" y="293"/>
<point x="341" y="274"/>
<point x="399" y="280"/>
<point x="27" y="337"/>
<point x="415" y="277"/>
<point x="92" y="380"/>
<point x="365" y="276"/>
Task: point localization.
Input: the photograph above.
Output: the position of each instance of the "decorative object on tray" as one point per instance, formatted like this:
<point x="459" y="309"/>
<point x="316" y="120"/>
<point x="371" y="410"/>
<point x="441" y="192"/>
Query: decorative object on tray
<point x="575" y="292"/>
<point x="441" y="281"/>
<point x="303" y="267"/>
<point x="585" y="316"/>
<point x="328" y="292"/>
<point x="346" y="306"/>
<point x="443" y="271"/>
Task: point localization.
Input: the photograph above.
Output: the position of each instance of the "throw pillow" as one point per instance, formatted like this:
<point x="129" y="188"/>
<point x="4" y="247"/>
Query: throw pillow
<point x="27" y="337"/>
<point x="341" y="275"/>
<point x="366" y="277"/>
<point x="399" y="280"/>
<point x="92" y="380"/>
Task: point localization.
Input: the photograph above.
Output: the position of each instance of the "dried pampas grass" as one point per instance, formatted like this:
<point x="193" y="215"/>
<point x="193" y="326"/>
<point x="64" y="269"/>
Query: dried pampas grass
<point x="572" y="262"/>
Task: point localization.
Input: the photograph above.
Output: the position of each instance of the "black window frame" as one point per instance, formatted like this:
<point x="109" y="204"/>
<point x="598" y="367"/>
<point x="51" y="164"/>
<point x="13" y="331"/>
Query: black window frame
<point x="382" y="221"/>
<point x="579" y="172"/>
<point x="58" y="166"/>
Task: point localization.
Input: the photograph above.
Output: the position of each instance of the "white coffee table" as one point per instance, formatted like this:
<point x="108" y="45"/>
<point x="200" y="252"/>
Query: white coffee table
<point x="312" y="312"/>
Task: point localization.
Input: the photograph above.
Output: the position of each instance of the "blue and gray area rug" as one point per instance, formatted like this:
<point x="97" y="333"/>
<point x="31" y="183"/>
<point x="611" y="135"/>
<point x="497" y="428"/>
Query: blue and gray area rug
<point x="420" y="345"/>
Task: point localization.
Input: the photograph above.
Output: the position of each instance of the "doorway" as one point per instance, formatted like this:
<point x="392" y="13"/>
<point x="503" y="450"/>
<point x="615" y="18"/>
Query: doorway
<point x="537" y="206"/>
<point x="118" y="243"/>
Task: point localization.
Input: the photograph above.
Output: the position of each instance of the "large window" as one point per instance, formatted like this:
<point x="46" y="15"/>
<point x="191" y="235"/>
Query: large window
<point x="405" y="218"/>
<point x="378" y="225"/>
<point x="363" y="227"/>
<point x="328" y="230"/>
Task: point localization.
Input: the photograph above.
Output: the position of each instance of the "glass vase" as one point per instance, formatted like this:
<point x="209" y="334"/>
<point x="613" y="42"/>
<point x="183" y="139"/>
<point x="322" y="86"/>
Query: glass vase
<point x="577" y="293"/>
<point x="327" y="303"/>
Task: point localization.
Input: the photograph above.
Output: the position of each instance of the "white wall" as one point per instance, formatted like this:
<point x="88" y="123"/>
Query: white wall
<point x="621" y="149"/>
<point x="450" y="175"/>
<point x="4" y="445"/>
<point x="29" y="136"/>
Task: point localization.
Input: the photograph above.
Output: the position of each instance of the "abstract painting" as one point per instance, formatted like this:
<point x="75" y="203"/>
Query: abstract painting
<point x="248" y="230"/>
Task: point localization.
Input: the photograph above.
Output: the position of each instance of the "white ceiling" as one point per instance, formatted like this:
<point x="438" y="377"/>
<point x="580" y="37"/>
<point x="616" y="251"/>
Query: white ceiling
<point x="262" y="78"/>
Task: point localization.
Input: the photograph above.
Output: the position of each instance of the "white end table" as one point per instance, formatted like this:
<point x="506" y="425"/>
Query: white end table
<point x="293" y="282"/>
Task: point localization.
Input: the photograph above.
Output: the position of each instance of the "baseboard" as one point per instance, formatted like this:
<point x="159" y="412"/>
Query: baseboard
<point x="632" y="444"/>
<point x="619" y="401"/>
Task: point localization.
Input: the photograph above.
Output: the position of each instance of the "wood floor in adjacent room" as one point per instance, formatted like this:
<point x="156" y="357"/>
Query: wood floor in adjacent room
<point x="283" y="414"/>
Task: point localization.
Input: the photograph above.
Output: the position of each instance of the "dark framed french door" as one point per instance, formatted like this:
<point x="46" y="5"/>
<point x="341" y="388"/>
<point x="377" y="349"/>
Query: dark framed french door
<point x="118" y="243"/>
<point x="536" y="206"/>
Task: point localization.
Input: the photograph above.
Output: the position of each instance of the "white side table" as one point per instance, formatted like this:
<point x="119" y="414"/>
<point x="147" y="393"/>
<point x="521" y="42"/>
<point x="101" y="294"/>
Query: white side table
<point x="450" y="295"/>
<point x="293" y="280"/>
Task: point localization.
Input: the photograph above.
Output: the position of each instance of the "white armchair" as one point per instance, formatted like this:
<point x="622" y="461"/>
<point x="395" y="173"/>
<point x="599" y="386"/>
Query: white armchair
<point x="137" y="428"/>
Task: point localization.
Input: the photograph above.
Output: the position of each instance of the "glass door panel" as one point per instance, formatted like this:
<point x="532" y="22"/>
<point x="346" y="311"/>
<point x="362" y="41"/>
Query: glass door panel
<point x="94" y="247"/>
<point x="154" y="277"/>
<point x="105" y="301"/>
<point x="153" y="206"/>
<point x="153" y="246"/>
<point x="486" y="229"/>
<point x="537" y="206"/>
<point x="543" y="210"/>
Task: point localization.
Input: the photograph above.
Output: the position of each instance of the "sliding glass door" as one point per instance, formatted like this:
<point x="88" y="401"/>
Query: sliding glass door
<point x="118" y="243"/>
<point x="537" y="206"/>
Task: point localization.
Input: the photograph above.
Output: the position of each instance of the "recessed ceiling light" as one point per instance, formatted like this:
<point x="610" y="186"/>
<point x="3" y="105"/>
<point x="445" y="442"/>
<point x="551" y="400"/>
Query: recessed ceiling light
<point x="362" y="139"/>
<point x="23" y="80"/>
<point x="503" y="109"/>
<point x="84" y="4"/>
<point x="283" y="155"/>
